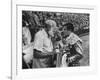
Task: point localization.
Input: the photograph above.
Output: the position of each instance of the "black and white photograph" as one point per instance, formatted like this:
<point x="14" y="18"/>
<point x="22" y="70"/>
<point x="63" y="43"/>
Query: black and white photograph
<point x="55" y="39"/>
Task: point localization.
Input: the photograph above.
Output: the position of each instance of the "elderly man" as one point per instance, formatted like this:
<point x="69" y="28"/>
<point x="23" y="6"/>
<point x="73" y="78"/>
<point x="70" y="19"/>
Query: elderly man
<point x="43" y="46"/>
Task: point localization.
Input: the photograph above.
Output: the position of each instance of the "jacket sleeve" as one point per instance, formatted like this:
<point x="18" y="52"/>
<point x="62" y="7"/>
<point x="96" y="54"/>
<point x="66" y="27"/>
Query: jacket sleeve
<point x="79" y="50"/>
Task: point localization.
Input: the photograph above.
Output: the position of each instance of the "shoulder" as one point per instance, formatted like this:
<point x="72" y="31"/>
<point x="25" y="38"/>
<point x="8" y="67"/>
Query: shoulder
<point x="25" y="29"/>
<point x="74" y="38"/>
<point x="41" y="33"/>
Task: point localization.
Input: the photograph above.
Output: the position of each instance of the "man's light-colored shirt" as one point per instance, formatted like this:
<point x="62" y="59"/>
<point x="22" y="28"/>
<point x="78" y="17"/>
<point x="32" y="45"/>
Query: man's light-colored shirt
<point x="42" y="42"/>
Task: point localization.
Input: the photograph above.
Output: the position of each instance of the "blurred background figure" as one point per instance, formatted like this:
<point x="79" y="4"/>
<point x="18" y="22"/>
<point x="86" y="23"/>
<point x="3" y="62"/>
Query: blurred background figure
<point x="27" y="49"/>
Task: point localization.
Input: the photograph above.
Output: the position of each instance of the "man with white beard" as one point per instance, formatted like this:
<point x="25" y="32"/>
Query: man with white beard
<point x="43" y="46"/>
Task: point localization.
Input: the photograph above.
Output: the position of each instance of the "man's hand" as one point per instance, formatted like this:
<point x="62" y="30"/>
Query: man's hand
<point x="71" y="59"/>
<point x="57" y="50"/>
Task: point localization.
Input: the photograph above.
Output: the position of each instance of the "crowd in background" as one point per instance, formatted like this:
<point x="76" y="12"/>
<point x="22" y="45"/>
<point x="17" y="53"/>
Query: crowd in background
<point x="34" y="20"/>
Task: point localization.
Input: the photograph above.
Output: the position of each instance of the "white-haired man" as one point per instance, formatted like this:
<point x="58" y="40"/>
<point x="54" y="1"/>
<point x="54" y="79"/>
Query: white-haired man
<point x="43" y="46"/>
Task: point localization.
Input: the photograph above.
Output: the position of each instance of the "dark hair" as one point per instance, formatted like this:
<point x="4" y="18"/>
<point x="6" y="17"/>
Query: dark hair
<point x="23" y="23"/>
<point x="69" y="26"/>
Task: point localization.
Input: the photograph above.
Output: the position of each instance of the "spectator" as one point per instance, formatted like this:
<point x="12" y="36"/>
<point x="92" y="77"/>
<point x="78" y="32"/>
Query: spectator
<point x="27" y="51"/>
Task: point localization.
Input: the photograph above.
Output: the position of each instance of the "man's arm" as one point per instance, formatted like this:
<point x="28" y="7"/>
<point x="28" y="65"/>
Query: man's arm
<point x="39" y="54"/>
<point x="79" y="51"/>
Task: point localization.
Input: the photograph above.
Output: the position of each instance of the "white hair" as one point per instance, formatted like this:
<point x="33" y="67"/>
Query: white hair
<point x="52" y="23"/>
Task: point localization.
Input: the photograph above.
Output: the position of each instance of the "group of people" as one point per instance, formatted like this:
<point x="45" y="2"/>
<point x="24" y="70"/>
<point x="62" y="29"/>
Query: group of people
<point x="51" y="47"/>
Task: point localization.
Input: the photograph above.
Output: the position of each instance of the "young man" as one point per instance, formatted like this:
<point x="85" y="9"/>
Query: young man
<point x="43" y="46"/>
<point x="73" y="46"/>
